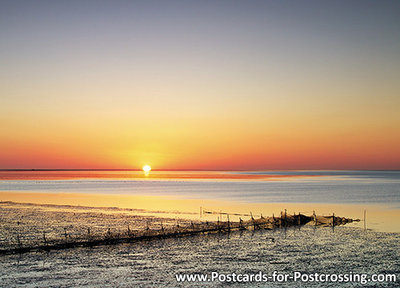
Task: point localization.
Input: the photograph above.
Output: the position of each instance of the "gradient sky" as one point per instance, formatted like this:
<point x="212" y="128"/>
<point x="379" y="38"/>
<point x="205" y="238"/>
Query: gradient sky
<point x="200" y="84"/>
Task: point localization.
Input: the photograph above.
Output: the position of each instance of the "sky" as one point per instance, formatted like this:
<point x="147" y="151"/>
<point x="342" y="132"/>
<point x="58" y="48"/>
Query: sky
<point x="208" y="85"/>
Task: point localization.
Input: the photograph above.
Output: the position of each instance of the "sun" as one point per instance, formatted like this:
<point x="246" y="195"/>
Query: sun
<point x="146" y="168"/>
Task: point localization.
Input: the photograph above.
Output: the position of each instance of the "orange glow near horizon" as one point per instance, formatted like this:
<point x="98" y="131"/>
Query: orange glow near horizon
<point x="237" y="148"/>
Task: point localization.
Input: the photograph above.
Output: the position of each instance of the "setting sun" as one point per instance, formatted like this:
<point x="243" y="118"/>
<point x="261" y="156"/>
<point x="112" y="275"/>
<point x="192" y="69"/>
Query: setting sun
<point x="146" y="168"/>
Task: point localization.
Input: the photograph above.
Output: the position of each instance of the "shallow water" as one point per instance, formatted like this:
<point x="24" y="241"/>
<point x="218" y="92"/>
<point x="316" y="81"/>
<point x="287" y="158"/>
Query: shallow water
<point x="344" y="249"/>
<point x="155" y="263"/>
<point x="28" y="225"/>
<point x="347" y="187"/>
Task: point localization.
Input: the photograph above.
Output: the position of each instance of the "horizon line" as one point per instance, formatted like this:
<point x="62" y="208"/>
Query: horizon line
<point x="214" y="170"/>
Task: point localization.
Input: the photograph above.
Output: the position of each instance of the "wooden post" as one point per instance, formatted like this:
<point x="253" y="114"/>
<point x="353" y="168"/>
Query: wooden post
<point x="229" y="224"/>
<point x="365" y="218"/>
<point x="18" y="238"/>
<point x="44" y="238"/>
<point x="333" y="220"/>
<point x="285" y="218"/>
<point x="19" y="241"/>
<point x="315" y="218"/>
<point x="254" y="222"/>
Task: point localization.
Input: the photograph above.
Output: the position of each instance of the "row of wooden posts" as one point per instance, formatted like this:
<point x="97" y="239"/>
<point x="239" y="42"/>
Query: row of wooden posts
<point x="283" y="217"/>
<point x="282" y="222"/>
<point x="194" y="228"/>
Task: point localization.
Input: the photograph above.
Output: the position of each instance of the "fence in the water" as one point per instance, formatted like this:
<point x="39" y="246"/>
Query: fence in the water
<point x="189" y="228"/>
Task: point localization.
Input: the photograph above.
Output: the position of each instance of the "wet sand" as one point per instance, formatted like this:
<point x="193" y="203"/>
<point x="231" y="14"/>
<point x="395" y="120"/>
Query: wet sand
<point x="378" y="217"/>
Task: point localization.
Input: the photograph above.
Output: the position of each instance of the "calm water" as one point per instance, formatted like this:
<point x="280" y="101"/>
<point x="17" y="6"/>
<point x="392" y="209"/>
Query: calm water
<point x="349" y="187"/>
<point x="154" y="263"/>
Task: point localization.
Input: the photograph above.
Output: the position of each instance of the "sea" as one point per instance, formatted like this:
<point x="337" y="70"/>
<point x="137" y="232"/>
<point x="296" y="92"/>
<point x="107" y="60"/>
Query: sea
<point x="343" y="187"/>
<point x="348" y="256"/>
